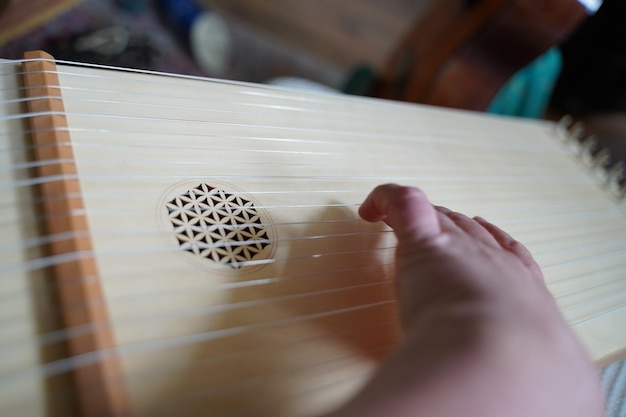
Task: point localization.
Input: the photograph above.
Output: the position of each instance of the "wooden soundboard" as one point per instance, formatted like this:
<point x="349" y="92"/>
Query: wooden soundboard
<point x="183" y="246"/>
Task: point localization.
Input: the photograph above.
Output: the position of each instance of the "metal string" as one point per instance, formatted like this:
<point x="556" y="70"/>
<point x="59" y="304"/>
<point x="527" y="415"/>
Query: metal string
<point x="233" y="356"/>
<point x="316" y="177"/>
<point x="86" y="359"/>
<point x="42" y="240"/>
<point x="220" y="308"/>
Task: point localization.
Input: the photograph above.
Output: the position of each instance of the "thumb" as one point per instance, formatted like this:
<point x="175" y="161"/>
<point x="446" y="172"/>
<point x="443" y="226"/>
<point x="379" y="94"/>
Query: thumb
<point x="405" y="209"/>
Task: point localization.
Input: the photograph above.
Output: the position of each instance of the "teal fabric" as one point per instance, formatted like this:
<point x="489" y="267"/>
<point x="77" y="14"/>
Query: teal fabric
<point x="528" y="92"/>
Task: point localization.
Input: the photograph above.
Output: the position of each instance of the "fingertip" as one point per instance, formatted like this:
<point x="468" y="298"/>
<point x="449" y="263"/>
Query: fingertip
<point x="405" y="209"/>
<point x="369" y="212"/>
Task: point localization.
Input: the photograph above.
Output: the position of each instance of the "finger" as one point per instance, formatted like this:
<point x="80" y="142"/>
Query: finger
<point x="473" y="228"/>
<point x="405" y="209"/>
<point x="458" y="221"/>
<point x="508" y="243"/>
<point x="447" y="225"/>
<point x="505" y="240"/>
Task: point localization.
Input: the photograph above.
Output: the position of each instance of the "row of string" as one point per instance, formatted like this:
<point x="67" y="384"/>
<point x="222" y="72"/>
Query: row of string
<point x="615" y="248"/>
<point x="546" y="219"/>
<point x="565" y="123"/>
<point x="69" y="364"/>
<point x="55" y="337"/>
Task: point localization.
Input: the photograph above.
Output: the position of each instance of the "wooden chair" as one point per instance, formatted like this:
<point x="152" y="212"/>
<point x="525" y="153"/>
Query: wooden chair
<point x="460" y="52"/>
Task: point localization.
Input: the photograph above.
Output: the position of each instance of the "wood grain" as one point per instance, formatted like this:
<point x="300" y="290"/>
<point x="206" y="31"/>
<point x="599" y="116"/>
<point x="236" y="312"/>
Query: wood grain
<point x="100" y="386"/>
<point x="301" y="331"/>
<point x="298" y="335"/>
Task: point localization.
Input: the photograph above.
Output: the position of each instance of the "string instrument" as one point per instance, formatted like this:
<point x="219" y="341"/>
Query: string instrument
<point x="460" y="52"/>
<point x="182" y="246"/>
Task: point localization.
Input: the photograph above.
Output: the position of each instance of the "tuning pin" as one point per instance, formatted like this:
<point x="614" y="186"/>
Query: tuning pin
<point x="602" y="159"/>
<point x="566" y="121"/>
<point x="615" y="180"/>
<point x="574" y="136"/>
<point x="587" y="148"/>
<point x="600" y="163"/>
<point x="563" y="126"/>
<point x="577" y="132"/>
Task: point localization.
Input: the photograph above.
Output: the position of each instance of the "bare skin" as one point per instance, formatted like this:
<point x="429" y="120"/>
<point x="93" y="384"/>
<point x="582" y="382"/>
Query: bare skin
<point x="484" y="337"/>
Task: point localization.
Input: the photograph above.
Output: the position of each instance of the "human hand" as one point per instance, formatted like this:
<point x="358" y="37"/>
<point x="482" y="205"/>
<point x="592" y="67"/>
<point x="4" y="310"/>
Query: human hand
<point x="445" y="259"/>
<point x="484" y="336"/>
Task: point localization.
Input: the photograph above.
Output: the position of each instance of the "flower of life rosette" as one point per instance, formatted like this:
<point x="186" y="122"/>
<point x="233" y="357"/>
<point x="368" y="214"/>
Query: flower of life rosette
<point x="222" y="227"/>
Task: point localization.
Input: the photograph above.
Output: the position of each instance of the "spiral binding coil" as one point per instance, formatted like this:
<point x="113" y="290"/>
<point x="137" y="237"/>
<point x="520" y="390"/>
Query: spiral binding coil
<point x="612" y="174"/>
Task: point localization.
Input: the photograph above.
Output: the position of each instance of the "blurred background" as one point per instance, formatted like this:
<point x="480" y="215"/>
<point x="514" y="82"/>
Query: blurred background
<point x="558" y="56"/>
<point x="524" y="58"/>
<point x="529" y="58"/>
<point x="250" y="40"/>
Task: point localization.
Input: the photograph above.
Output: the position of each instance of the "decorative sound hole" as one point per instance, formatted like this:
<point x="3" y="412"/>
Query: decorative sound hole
<point x="217" y="225"/>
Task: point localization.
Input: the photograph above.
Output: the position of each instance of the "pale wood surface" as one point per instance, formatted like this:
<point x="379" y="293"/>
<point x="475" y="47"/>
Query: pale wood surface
<point x="20" y="306"/>
<point x="299" y="334"/>
<point x="311" y="158"/>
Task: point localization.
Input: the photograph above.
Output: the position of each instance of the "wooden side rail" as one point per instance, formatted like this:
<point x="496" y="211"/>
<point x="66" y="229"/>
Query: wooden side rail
<point x="99" y="383"/>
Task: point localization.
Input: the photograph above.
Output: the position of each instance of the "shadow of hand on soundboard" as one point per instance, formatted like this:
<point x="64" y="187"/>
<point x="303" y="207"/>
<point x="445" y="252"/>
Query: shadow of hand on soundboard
<point x="338" y="281"/>
<point x="329" y="317"/>
<point x="310" y="329"/>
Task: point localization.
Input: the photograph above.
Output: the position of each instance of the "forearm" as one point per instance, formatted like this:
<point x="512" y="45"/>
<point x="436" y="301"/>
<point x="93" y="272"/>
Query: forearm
<point x="469" y="366"/>
<point x="424" y="373"/>
<point x="484" y="337"/>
